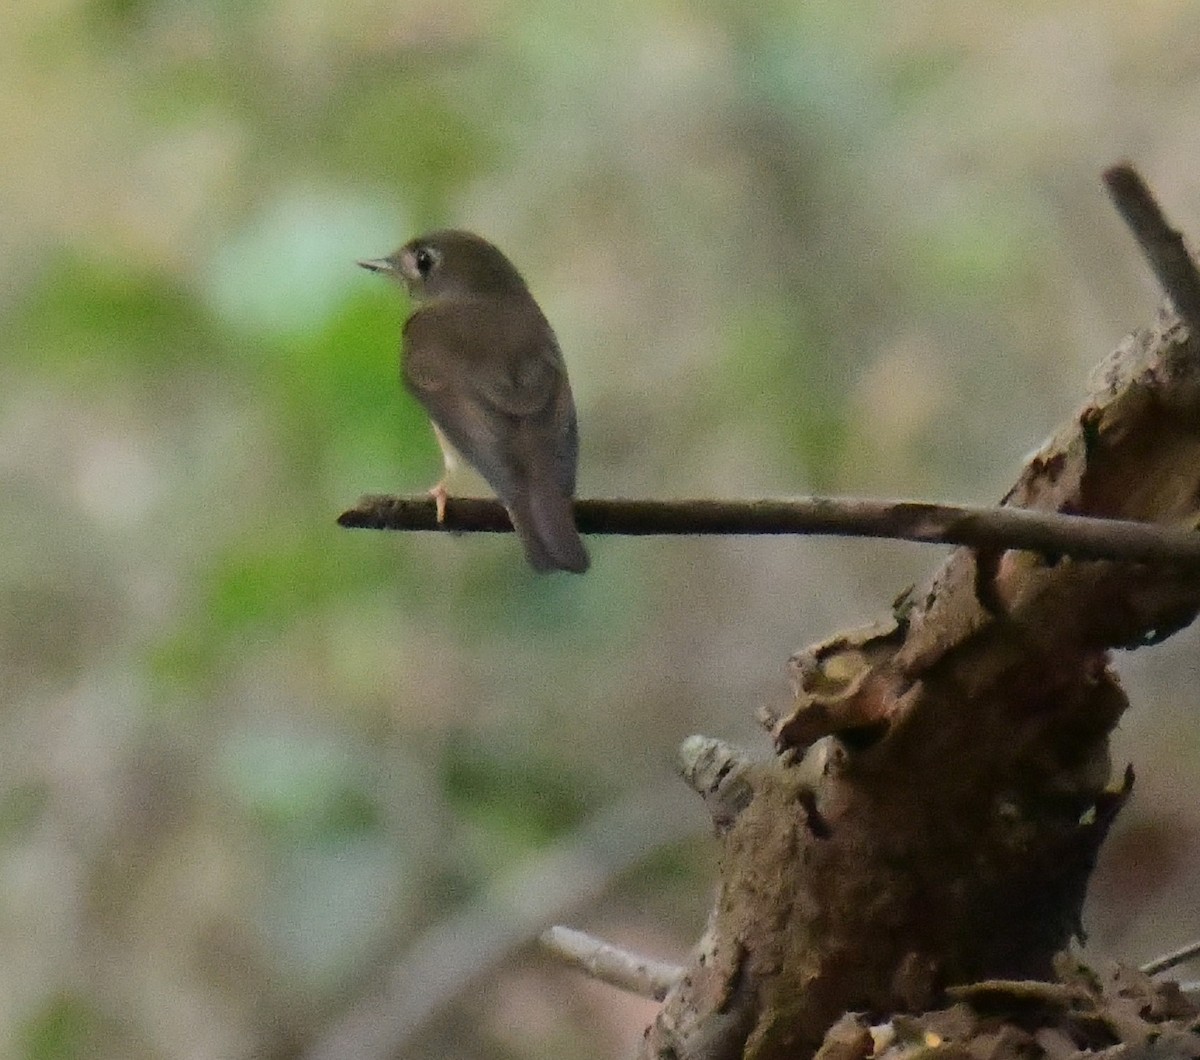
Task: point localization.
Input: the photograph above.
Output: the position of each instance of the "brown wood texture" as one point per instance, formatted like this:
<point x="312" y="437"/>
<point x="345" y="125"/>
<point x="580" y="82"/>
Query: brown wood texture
<point x="943" y="779"/>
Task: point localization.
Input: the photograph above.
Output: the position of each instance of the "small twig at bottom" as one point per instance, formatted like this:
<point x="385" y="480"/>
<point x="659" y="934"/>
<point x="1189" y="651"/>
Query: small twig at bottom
<point x="610" y="964"/>
<point x="1172" y="959"/>
<point x="1050" y="533"/>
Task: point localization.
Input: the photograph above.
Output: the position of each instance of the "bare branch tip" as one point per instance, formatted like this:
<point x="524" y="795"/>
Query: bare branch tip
<point x="1172" y="960"/>
<point x="1164" y="248"/>
<point x="1122" y="175"/>
<point x="610" y="964"/>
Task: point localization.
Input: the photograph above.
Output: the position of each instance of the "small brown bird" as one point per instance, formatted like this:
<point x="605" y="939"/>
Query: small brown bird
<point x="483" y="360"/>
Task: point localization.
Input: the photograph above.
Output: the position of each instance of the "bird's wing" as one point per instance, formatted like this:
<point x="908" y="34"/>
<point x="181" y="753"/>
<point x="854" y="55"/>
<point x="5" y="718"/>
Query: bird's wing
<point x="509" y="359"/>
<point x="495" y="384"/>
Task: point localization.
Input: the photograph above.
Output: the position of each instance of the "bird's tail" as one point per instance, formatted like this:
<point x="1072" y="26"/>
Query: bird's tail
<point x="544" y="519"/>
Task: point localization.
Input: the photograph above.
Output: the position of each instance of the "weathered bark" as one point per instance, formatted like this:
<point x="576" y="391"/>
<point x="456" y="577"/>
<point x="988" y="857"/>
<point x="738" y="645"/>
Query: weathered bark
<point x="942" y="781"/>
<point x="1121" y="1015"/>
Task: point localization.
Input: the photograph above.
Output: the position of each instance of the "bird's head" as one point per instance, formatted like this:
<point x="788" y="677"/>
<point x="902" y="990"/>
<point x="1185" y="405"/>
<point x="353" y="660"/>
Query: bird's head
<point x="448" y="264"/>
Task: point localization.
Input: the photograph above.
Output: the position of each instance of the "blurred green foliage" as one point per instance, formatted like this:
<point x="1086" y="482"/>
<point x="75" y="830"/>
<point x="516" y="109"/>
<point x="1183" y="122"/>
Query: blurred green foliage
<point x="61" y="1031"/>
<point x="249" y="758"/>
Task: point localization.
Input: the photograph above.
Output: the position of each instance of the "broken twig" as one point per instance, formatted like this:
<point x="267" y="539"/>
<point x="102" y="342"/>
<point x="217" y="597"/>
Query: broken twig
<point x="610" y="964"/>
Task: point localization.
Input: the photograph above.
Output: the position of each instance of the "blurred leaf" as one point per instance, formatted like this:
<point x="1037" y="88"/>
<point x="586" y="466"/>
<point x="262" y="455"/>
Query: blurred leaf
<point x="344" y="406"/>
<point x="114" y="15"/>
<point x="266" y="584"/>
<point x="916" y="73"/>
<point x="413" y="126"/>
<point x="21" y="807"/>
<point x="972" y="248"/>
<point x="95" y="321"/>
<point x="307" y="786"/>
<point x="291" y="266"/>
<point x="775" y="368"/>
<point x="62" y="1030"/>
<point x="261" y="587"/>
<point x="513" y="792"/>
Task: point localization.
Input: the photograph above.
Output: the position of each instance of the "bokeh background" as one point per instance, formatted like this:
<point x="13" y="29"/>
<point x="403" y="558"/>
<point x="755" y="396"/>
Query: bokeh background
<point x="271" y="789"/>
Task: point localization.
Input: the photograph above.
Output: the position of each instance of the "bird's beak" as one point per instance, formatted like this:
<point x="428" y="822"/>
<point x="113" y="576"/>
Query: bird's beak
<point x="378" y="265"/>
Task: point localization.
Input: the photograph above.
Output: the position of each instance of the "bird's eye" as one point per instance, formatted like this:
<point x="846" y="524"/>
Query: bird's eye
<point x="424" y="261"/>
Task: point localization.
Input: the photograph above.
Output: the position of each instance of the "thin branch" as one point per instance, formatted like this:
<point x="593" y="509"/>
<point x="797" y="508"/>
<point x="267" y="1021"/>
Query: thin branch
<point x="610" y="964"/>
<point x="1047" y="532"/>
<point x="1163" y="246"/>
<point x="443" y="963"/>
<point x="1172" y="959"/>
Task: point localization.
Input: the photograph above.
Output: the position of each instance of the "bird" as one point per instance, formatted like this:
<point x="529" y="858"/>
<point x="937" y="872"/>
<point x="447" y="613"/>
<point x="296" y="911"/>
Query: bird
<point x="483" y="361"/>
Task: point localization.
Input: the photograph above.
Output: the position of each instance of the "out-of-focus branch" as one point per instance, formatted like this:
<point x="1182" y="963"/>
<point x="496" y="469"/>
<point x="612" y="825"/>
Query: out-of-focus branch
<point x="992" y="528"/>
<point x="442" y="964"/>
<point x="601" y="960"/>
<point x="1172" y="959"/>
<point x="1163" y="246"/>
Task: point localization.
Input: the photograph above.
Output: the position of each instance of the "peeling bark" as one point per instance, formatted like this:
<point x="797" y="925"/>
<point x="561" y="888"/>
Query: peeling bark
<point x="942" y="783"/>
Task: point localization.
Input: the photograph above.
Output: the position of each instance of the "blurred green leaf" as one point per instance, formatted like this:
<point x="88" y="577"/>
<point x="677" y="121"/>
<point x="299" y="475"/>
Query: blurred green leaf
<point x="513" y="792"/>
<point x="916" y="73"/>
<point x="62" y="1030"/>
<point x="92" y="321"/>
<point x="21" y="807"/>
<point x="292" y="265"/>
<point x="776" y="368"/>
<point x="268" y="584"/>
<point x="310" y="786"/>
<point x="412" y="126"/>
<point x="972" y="248"/>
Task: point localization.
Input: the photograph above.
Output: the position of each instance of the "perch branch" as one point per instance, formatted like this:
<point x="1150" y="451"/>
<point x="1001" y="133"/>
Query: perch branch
<point x="1162" y="245"/>
<point x="610" y="964"/>
<point x="1037" y="531"/>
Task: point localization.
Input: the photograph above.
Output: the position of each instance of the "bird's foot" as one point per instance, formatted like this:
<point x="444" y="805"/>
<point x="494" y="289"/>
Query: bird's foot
<point x="439" y="495"/>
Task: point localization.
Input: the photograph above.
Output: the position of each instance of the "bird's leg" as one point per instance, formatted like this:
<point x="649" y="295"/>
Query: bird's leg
<point x="450" y="460"/>
<point x="439" y="495"/>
